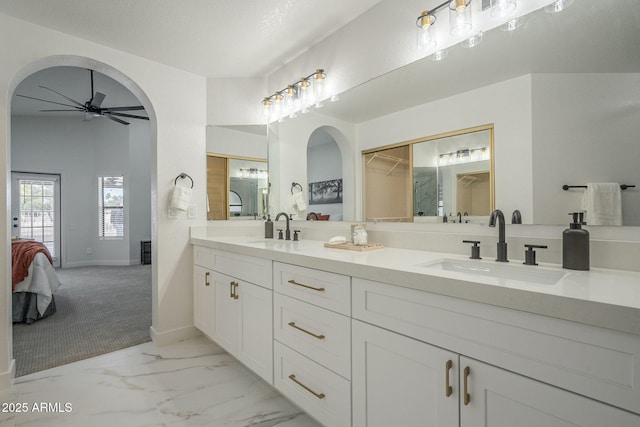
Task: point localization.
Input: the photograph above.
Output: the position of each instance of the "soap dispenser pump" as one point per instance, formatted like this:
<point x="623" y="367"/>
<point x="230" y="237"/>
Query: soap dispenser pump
<point x="575" y="244"/>
<point x="268" y="228"/>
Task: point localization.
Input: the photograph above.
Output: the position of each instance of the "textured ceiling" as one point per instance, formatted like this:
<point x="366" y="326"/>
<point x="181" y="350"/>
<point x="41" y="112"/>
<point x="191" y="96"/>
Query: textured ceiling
<point x="213" y="38"/>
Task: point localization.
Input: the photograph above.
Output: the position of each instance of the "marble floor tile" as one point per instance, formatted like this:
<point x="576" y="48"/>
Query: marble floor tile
<point x="191" y="383"/>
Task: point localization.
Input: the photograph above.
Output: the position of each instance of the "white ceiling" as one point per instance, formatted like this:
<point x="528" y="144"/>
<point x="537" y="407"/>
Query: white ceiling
<point x="213" y="38"/>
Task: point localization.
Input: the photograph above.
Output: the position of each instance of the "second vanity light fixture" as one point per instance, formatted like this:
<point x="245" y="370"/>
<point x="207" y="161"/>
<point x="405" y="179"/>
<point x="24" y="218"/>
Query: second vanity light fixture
<point x="460" y="22"/>
<point x="301" y="96"/>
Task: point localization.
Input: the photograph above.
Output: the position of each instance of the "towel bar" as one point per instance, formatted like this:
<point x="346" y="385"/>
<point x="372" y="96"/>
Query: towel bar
<point x="622" y="186"/>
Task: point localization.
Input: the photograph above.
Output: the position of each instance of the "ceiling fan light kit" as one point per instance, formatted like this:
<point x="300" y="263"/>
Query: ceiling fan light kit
<point x="91" y="108"/>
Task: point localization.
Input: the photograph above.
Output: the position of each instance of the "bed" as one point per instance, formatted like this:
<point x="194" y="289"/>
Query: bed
<point x="33" y="280"/>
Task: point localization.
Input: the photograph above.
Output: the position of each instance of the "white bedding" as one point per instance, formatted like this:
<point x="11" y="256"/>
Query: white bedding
<point x="41" y="280"/>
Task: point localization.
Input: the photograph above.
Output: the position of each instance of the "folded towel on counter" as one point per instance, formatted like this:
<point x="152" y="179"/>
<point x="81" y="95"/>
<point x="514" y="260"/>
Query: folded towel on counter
<point x="180" y="197"/>
<point x="602" y="202"/>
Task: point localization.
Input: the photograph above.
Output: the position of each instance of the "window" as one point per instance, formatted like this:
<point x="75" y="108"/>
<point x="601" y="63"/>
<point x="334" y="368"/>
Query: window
<point x="235" y="203"/>
<point x="111" y="206"/>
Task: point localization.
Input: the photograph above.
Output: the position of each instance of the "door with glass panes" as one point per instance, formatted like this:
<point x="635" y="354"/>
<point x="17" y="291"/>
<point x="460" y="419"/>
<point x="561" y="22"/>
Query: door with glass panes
<point x="35" y="210"/>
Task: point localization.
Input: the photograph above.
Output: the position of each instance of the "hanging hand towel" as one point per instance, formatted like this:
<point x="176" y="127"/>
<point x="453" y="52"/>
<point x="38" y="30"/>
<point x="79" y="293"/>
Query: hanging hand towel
<point x="300" y="201"/>
<point x="180" y="197"/>
<point x="603" y="203"/>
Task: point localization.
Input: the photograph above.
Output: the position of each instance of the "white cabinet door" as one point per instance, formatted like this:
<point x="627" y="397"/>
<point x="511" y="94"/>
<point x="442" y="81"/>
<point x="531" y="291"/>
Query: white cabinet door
<point x="255" y="333"/>
<point x="498" y="398"/>
<point x="203" y="300"/>
<point x="225" y="323"/>
<point x="398" y="381"/>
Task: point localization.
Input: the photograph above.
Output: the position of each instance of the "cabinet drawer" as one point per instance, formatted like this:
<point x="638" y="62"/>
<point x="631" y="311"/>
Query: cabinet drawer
<point x="203" y="257"/>
<point x="321" y="288"/>
<point x="319" y="334"/>
<point x="251" y="269"/>
<point x="321" y="393"/>
<point x="588" y="360"/>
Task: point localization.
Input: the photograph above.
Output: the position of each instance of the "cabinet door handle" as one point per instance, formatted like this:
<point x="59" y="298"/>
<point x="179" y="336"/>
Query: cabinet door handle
<point x="293" y="282"/>
<point x="231" y="290"/>
<point x="447" y="387"/>
<point x="206" y="278"/>
<point x="235" y="290"/>
<point x="318" y="395"/>
<point x="467" y="396"/>
<point x="293" y="325"/>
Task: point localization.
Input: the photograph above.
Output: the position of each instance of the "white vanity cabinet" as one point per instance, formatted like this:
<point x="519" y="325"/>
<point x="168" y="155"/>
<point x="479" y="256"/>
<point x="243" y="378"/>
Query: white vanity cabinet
<point x="234" y="312"/>
<point x="312" y="347"/>
<point x="533" y="371"/>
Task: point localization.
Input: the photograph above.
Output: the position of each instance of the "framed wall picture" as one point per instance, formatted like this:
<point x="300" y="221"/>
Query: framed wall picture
<point x="324" y="192"/>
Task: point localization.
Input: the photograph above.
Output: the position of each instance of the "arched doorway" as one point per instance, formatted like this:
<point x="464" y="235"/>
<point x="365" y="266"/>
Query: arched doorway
<point x="90" y="64"/>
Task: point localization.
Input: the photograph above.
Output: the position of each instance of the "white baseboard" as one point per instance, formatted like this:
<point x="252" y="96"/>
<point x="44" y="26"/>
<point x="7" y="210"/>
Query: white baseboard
<point x="174" y="335"/>
<point x="6" y="378"/>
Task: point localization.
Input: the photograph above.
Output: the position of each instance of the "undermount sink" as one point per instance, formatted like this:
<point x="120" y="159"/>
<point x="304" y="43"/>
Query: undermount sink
<point x="523" y="273"/>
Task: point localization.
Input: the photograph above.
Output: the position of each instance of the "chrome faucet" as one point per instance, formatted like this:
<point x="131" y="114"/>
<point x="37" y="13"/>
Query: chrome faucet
<point x="502" y="244"/>
<point x="288" y="231"/>
<point x="459" y="215"/>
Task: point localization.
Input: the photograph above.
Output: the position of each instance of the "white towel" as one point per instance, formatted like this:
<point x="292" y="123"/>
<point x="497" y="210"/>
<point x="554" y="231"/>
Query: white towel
<point x="602" y="202"/>
<point x="180" y="197"/>
<point x="299" y="201"/>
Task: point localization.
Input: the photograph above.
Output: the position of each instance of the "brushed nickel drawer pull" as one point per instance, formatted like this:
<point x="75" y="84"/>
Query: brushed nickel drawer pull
<point x="293" y="282"/>
<point x="206" y="278"/>
<point x="447" y="387"/>
<point x="467" y="396"/>
<point x="231" y="290"/>
<point x="293" y="325"/>
<point x="318" y="395"/>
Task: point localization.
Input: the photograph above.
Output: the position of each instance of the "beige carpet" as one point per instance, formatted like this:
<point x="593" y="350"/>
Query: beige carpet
<point x="100" y="310"/>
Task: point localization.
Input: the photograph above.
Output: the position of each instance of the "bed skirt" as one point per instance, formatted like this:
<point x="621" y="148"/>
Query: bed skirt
<point x="25" y="307"/>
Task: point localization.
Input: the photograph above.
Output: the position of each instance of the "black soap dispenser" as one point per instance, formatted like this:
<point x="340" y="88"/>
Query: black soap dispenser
<point x="575" y="245"/>
<point x="268" y="228"/>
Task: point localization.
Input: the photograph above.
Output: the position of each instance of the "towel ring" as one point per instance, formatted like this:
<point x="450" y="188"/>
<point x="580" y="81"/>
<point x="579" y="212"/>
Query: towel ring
<point x="183" y="176"/>
<point x="294" y="185"/>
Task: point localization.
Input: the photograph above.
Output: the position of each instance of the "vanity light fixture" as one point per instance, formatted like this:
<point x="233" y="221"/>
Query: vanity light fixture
<point x="306" y="93"/>
<point x="463" y="155"/>
<point x="439" y="55"/>
<point x="513" y="25"/>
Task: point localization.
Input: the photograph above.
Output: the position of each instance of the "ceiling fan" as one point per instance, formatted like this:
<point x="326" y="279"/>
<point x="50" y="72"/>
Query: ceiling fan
<point x="93" y="107"/>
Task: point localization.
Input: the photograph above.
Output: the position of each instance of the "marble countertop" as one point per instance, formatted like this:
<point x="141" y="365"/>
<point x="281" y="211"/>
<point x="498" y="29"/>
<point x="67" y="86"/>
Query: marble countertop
<point x="598" y="297"/>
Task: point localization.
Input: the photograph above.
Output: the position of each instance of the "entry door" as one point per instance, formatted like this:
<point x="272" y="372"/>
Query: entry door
<point x="35" y="210"/>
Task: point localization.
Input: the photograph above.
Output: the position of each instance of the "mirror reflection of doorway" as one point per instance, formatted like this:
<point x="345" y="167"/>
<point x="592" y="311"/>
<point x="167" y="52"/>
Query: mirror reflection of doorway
<point x="324" y="171"/>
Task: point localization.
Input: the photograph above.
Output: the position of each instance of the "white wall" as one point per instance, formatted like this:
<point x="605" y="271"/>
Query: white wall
<point x="233" y="142"/>
<point x="235" y="101"/>
<point x="80" y="152"/>
<point x="586" y="128"/>
<point x="176" y="102"/>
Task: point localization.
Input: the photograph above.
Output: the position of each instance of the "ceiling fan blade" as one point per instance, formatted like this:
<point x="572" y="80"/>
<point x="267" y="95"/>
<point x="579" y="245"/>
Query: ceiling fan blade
<point x="115" y="119"/>
<point x="73" y="111"/>
<point x="97" y="99"/>
<point x="64" y="96"/>
<point x="126" y="115"/>
<point x="51" y="102"/>
<point x="132" y="108"/>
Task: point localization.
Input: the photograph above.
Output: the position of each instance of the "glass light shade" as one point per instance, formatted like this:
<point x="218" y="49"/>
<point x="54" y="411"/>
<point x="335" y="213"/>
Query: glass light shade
<point x="439" y="55"/>
<point x="319" y="85"/>
<point x="503" y="8"/>
<point x="278" y="106"/>
<point x="460" y="17"/>
<point x="473" y="41"/>
<point x="266" y="109"/>
<point x="425" y="36"/>
<point x="512" y="25"/>
<point x="558" y="6"/>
